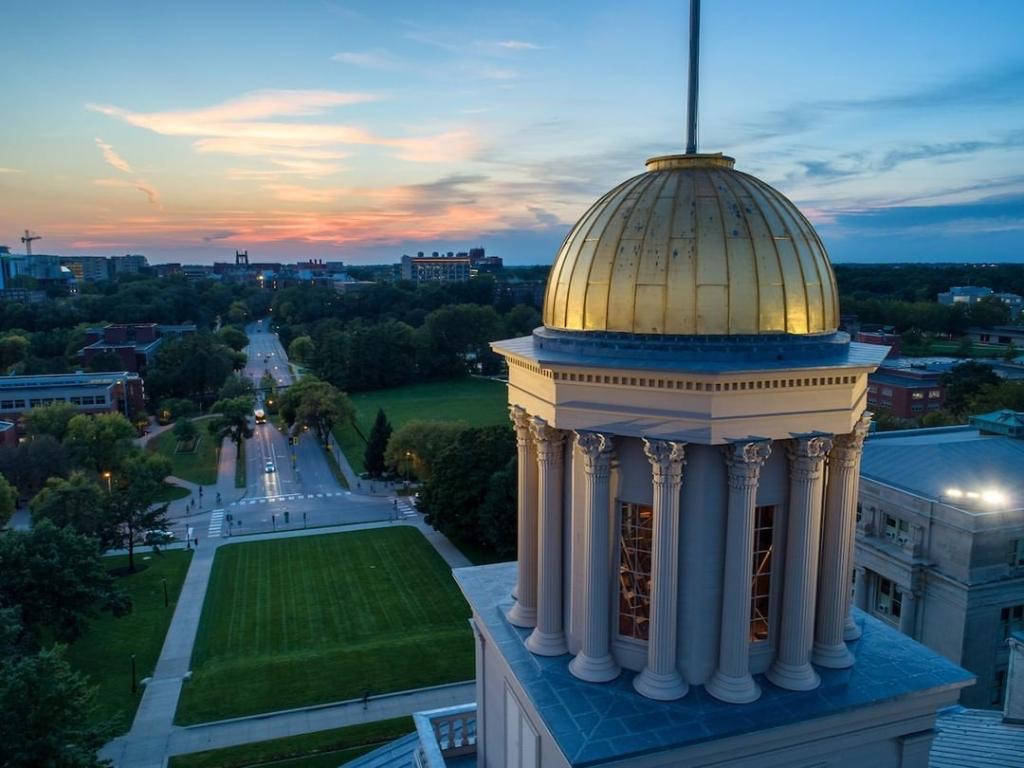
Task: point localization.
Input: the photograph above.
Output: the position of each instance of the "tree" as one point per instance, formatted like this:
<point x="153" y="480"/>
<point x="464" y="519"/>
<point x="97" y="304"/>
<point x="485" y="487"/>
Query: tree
<point x="50" y="420"/>
<point x="77" y="501"/>
<point x="373" y="457"/>
<point x="174" y="408"/>
<point x="27" y="465"/>
<point x="236" y="386"/>
<point x="13" y="349"/>
<point x="57" y="581"/>
<point x="131" y="502"/>
<point x="238" y="312"/>
<point x="232" y="419"/>
<point x="107" y="360"/>
<point x="45" y="713"/>
<point x="1010" y="352"/>
<point x="192" y="367"/>
<point x="318" y="405"/>
<point x="8" y="497"/>
<point x="965" y="381"/>
<point x="301" y="349"/>
<point x="454" y="495"/>
<point x="498" y="512"/>
<point x="416" y="445"/>
<point x="233" y="337"/>
<point x="99" y="442"/>
<point x="185" y="430"/>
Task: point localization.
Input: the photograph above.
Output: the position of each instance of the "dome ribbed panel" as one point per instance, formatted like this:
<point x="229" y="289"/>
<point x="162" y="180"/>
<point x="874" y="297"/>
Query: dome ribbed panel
<point x="697" y="250"/>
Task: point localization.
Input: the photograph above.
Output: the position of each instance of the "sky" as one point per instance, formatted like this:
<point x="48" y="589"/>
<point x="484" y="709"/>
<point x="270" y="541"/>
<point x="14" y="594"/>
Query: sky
<point x="358" y="131"/>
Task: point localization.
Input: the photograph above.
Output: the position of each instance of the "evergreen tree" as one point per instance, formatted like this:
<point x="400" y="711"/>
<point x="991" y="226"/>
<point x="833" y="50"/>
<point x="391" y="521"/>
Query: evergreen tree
<point x="373" y="458"/>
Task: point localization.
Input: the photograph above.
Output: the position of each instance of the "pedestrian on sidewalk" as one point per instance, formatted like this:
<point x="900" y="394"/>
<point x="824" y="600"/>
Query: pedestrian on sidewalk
<point x="366" y="699"/>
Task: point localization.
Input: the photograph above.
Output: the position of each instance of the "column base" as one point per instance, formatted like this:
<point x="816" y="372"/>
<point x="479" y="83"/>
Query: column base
<point x="660" y="687"/>
<point x="594" y="670"/>
<point x="733" y="689"/>
<point x="851" y="630"/>
<point x="546" y="643"/>
<point x="836" y="656"/>
<point x="793" y="677"/>
<point x="522" y="617"/>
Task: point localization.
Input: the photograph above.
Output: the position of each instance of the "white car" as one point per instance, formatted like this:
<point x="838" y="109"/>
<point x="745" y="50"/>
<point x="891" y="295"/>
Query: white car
<point x="158" y="537"/>
<point x="269" y="467"/>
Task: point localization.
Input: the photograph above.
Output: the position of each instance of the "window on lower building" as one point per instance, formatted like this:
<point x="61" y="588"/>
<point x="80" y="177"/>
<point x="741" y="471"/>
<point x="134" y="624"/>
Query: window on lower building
<point x="886" y="392"/>
<point x="935" y="394"/>
<point x="896" y="529"/>
<point x="998" y="688"/>
<point x="1015" y="555"/>
<point x="635" y="538"/>
<point x="917" y="395"/>
<point x="1012" y="619"/>
<point x="890" y="600"/>
<point x="761" y="585"/>
<point x="860" y="512"/>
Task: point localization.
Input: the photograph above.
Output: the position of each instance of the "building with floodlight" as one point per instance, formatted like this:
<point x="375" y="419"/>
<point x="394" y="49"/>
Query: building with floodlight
<point x="940" y="541"/>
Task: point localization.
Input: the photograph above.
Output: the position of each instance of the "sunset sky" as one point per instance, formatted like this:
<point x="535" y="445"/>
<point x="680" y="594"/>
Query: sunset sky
<point x="359" y="131"/>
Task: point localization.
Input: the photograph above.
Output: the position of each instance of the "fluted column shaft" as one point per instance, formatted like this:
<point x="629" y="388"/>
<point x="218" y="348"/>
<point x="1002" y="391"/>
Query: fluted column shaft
<point x="792" y="667"/>
<point x="908" y="612"/>
<point x="594" y="662"/>
<point x="660" y="679"/>
<point x="732" y="680"/>
<point x="860" y="588"/>
<point x="524" y="612"/>
<point x="548" y="637"/>
<point x="839" y="521"/>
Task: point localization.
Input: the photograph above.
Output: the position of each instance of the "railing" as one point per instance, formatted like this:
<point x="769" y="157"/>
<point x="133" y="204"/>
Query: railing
<point x="444" y="733"/>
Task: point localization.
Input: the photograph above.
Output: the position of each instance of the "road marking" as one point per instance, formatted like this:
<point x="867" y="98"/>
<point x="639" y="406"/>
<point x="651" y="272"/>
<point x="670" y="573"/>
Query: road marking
<point x="216" y="522"/>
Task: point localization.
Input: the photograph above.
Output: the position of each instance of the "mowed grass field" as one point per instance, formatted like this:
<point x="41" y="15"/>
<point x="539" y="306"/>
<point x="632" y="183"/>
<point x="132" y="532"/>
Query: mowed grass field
<point x="478" y="402"/>
<point x="294" y="622"/>
<point x="200" y="466"/>
<point x="104" y="651"/>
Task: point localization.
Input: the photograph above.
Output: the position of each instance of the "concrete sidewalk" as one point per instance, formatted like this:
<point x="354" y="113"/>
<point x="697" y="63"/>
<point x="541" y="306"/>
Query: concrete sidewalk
<point x="276" y="725"/>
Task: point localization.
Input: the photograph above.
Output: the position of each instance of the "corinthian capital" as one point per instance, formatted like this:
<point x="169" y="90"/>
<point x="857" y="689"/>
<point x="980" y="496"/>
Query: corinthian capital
<point x="847" y="448"/>
<point x="666" y="456"/>
<point x="807" y="456"/>
<point x="520" y="420"/>
<point x="596" y="449"/>
<point x="548" y="439"/>
<point x="745" y="459"/>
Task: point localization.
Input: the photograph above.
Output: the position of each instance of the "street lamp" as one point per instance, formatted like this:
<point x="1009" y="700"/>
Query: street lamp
<point x="107" y="475"/>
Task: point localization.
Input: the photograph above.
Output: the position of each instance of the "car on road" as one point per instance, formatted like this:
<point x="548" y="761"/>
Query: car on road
<point x="269" y="467"/>
<point x="158" y="537"/>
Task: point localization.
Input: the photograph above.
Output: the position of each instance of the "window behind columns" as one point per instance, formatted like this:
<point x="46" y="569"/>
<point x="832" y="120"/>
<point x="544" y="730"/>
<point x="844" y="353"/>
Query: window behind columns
<point x="761" y="581"/>
<point x="636" y="534"/>
<point x="890" y="601"/>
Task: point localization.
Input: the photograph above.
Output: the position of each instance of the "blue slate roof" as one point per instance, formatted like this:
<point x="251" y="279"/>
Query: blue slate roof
<point x="928" y="461"/>
<point x="595" y="723"/>
<point x="395" y="754"/>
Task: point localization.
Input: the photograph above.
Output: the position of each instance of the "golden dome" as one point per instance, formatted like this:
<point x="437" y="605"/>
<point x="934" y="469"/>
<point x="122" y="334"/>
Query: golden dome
<point x="692" y="246"/>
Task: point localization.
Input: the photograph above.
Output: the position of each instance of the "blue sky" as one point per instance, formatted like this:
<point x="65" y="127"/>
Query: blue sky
<point x="359" y="131"/>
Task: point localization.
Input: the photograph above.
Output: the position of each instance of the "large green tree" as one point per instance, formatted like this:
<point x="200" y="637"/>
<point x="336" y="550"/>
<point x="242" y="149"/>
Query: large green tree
<point x="301" y="349"/>
<point x="964" y="382"/>
<point x="131" y="504"/>
<point x="192" y="367"/>
<point x="373" y="456"/>
<point x="45" y="713"/>
<point x="233" y="337"/>
<point x="415" y="446"/>
<point x="28" y="464"/>
<point x="318" y="405"/>
<point x="50" y="420"/>
<point x="56" y="580"/>
<point x="77" y="501"/>
<point x="8" y="498"/>
<point x="453" y="497"/>
<point x="13" y="349"/>
<point x="232" y="419"/>
<point x="99" y="442"/>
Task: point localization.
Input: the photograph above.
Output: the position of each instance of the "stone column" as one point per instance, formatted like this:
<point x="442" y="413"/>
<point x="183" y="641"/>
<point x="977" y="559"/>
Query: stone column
<point x="792" y="666"/>
<point x="838" y="524"/>
<point x="732" y="681"/>
<point x="860" y="588"/>
<point x="594" y="662"/>
<point x="908" y="611"/>
<point x="659" y="678"/>
<point x="548" y="637"/>
<point x="524" y="612"/>
<point x="851" y="630"/>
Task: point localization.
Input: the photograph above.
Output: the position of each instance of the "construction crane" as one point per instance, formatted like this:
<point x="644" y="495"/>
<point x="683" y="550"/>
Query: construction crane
<point x="27" y="240"/>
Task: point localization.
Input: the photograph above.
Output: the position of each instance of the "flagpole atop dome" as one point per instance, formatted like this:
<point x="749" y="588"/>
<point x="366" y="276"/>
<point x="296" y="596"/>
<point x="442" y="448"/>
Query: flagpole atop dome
<point x="691" y="96"/>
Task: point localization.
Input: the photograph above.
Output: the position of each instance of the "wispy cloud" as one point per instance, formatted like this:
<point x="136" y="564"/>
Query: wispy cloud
<point x="517" y="45"/>
<point x="11" y="170"/>
<point x="151" y="193"/>
<point x="260" y="125"/>
<point x="375" y="59"/>
<point x="222" y="235"/>
<point x="112" y="158"/>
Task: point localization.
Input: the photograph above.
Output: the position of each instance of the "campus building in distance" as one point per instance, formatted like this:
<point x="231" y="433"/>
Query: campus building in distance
<point x="115" y="391"/>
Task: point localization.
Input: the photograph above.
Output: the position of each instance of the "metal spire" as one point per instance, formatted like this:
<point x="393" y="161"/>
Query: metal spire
<point x="691" y="100"/>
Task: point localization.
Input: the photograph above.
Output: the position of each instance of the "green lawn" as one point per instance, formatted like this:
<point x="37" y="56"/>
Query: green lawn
<point x="199" y="466"/>
<point x="172" y="492"/>
<point x="104" y="652"/>
<point x="240" y="481"/>
<point x="323" y="749"/>
<point x="478" y="402"/>
<point x="294" y="622"/>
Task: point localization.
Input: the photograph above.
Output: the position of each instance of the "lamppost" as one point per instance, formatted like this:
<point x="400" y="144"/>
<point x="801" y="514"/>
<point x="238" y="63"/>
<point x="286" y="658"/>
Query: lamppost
<point x="107" y="475"/>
